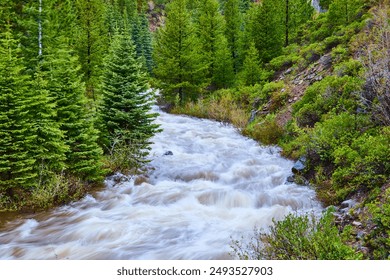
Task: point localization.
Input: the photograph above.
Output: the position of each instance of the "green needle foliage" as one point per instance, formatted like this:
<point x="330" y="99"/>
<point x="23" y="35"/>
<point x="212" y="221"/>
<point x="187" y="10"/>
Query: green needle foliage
<point x="251" y="72"/>
<point x="125" y="110"/>
<point x="180" y="65"/>
<point x="83" y="158"/>
<point x="233" y="20"/>
<point x="211" y="31"/>
<point x="49" y="147"/>
<point x="16" y="135"/>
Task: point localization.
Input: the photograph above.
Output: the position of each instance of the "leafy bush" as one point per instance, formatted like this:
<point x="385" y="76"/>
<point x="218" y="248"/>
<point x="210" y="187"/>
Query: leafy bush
<point x="312" y="52"/>
<point x="334" y="132"/>
<point x="272" y="87"/>
<point x="278" y="99"/>
<point x="332" y="42"/>
<point x="365" y="164"/>
<point x="284" y="61"/>
<point x="339" y="53"/>
<point x="336" y="94"/>
<point x="297" y="238"/>
<point x="379" y="238"/>
<point x="267" y="131"/>
<point x="351" y="68"/>
<point x="127" y="154"/>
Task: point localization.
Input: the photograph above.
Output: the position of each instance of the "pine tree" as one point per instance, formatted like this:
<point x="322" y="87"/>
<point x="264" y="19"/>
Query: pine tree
<point x="91" y="42"/>
<point x="125" y="111"/>
<point x="83" y="158"/>
<point x="48" y="148"/>
<point x="181" y="66"/>
<point x="223" y="72"/>
<point x="233" y="20"/>
<point x="146" y="41"/>
<point x="16" y="136"/>
<point x="295" y="13"/>
<point x="343" y="12"/>
<point x="211" y="29"/>
<point x="264" y="27"/>
<point x="251" y="72"/>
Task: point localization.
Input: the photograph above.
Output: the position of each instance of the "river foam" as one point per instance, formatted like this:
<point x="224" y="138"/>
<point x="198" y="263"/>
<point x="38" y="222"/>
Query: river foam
<point x="214" y="185"/>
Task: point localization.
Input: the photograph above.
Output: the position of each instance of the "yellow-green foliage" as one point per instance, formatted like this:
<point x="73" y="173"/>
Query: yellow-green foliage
<point x="379" y="238"/>
<point x="223" y="106"/>
<point x="362" y="164"/>
<point x="297" y="238"/>
<point x="336" y="94"/>
<point x="267" y="131"/>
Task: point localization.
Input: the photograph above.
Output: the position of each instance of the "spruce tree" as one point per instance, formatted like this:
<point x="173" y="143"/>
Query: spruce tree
<point x="181" y="66"/>
<point x="295" y="13"/>
<point x="91" y="42"/>
<point x="83" y="158"/>
<point x="211" y="29"/>
<point x="223" y="72"/>
<point x="146" y="41"/>
<point x="264" y="27"/>
<point x="125" y="110"/>
<point x="17" y="167"/>
<point x="48" y="148"/>
<point x="251" y="70"/>
<point x="233" y="20"/>
<point x="343" y="12"/>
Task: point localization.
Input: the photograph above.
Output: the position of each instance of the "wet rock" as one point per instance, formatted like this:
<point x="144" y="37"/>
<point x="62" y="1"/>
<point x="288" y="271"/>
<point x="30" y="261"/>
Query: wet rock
<point x="119" y="178"/>
<point x="168" y="153"/>
<point x="290" y="179"/>
<point x="299" y="166"/>
<point x="364" y="250"/>
<point x="288" y="71"/>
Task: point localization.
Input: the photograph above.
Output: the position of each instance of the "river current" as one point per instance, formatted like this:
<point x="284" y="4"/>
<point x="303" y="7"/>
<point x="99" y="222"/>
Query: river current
<point x="207" y="185"/>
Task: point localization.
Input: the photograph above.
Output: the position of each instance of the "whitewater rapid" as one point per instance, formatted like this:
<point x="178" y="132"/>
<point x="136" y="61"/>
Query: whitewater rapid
<point x="206" y="185"/>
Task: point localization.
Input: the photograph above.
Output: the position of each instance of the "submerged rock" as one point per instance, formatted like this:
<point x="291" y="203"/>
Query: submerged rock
<point x="168" y="153"/>
<point x="299" y="166"/>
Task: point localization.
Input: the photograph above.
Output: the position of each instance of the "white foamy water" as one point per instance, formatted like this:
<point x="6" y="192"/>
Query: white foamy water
<point x="216" y="185"/>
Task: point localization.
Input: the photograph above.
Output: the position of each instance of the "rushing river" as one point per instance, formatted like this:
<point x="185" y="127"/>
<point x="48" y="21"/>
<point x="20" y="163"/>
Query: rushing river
<point x="207" y="185"/>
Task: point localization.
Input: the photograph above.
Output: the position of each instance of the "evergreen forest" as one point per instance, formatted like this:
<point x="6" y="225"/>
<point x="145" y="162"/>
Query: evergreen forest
<point x="78" y="80"/>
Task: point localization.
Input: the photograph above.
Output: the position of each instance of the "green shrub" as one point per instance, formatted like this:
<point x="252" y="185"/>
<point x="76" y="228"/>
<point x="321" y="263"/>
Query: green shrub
<point x="126" y="155"/>
<point x="339" y="53"/>
<point x="278" y="99"/>
<point x="284" y="61"/>
<point x="272" y="87"/>
<point x="379" y="238"/>
<point x="294" y="140"/>
<point x="312" y="52"/>
<point x="336" y="94"/>
<point x="267" y="131"/>
<point x="297" y="238"/>
<point x="364" y="164"/>
<point x="334" y="132"/>
<point x="351" y="68"/>
<point x="332" y="42"/>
